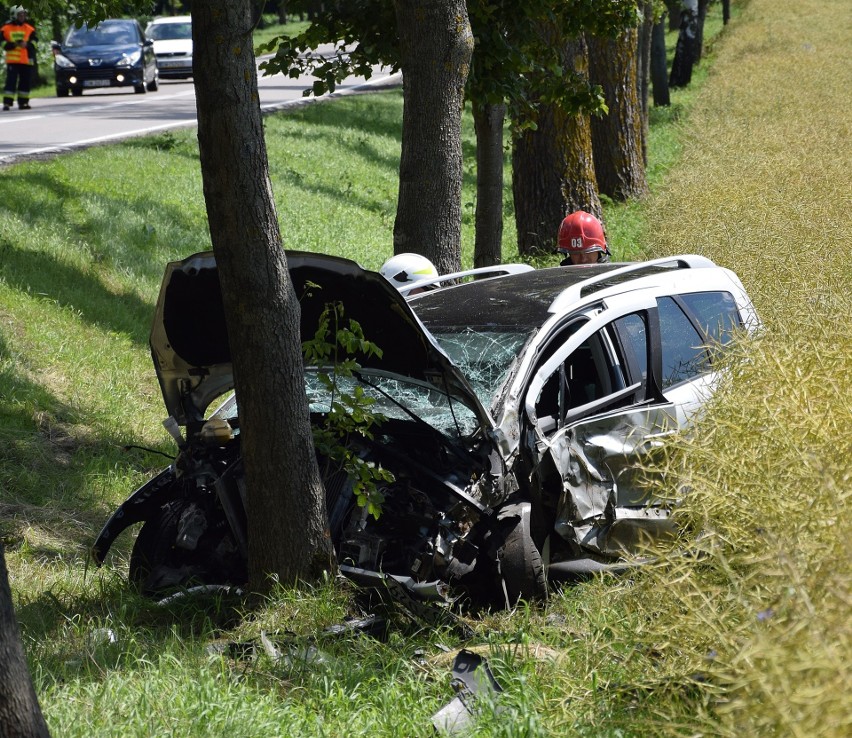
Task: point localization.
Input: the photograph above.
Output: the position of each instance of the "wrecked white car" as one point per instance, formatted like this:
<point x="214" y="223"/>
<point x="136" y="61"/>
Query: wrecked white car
<point x="517" y="413"/>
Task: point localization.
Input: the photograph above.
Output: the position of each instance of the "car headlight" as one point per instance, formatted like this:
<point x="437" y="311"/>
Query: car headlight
<point x="129" y="60"/>
<point x="63" y="61"/>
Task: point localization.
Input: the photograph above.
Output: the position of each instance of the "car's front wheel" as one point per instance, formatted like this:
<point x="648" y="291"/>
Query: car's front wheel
<point x="62" y="91"/>
<point x="77" y="91"/>
<point x="139" y="89"/>
<point x="521" y="568"/>
<point x="161" y="560"/>
<point x="153" y="85"/>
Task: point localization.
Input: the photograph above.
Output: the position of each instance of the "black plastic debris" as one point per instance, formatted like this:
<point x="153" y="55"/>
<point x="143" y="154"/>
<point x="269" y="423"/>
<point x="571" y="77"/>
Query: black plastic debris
<point x="472" y="678"/>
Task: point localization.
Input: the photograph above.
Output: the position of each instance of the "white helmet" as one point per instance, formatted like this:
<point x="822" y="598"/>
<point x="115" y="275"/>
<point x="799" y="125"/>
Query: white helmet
<point x="404" y="269"/>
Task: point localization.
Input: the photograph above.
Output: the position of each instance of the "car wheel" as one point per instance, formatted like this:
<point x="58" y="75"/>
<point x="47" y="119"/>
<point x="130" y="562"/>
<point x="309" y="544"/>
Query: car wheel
<point x="76" y="91"/>
<point x="139" y="89"/>
<point x="521" y="568"/>
<point x="62" y="92"/>
<point x="157" y="564"/>
<point x="153" y="85"/>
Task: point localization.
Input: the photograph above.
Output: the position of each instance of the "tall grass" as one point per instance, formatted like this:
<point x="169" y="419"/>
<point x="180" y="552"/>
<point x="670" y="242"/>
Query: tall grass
<point x="744" y="632"/>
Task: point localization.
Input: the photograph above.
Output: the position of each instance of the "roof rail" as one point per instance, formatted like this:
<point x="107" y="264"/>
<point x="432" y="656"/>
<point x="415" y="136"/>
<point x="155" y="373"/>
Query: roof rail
<point x="498" y="270"/>
<point x="588" y="286"/>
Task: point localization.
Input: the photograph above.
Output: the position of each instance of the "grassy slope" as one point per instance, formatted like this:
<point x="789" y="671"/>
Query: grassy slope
<point x="762" y="619"/>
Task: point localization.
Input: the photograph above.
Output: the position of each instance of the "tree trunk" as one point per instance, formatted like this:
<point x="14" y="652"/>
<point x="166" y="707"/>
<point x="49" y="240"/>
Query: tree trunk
<point x="20" y="714"/>
<point x="436" y="45"/>
<point x="685" y="50"/>
<point x="553" y="172"/>
<point x="673" y="8"/>
<point x="617" y="136"/>
<point x="488" y="122"/>
<point x="659" y="65"/>
<point x="699" y="37"/>
<point x="726" y="12"/>
<point x="643" y="73"/>
<point x="287" y="521"/>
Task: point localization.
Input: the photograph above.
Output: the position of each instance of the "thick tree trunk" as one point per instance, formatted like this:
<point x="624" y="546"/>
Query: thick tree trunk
<point x="617" y="136"/>
<point x="553" y="172"/>
<point x="287" y="522"/>
<point x="488" y="122"/>
<point x="20" y="714"/>
<point x="659" y="65"/>
<point x="685" y="50"/>
<point x="436" y="45"/>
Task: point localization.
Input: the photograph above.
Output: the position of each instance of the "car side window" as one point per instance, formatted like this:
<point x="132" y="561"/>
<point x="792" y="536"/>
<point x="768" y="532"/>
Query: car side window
<point x="586" y="378"/>
<point x="716" y="312"/>
<point x="684" y="354"/>
<point x="633" y="334"/>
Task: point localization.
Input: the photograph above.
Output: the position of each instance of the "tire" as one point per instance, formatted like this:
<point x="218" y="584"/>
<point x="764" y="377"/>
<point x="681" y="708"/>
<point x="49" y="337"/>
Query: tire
<point x="77" y="91"/>
<point x="62" y="92"/>
<point x="154" y="546"/>
<point x="139" y="89"/>
<point x="521" y="568"/>
<point x="157" y="565"/>
<point x="153" y="85"/>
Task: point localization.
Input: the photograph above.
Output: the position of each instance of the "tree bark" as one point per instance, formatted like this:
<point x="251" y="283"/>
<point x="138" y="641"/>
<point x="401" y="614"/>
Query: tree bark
<point x="488" y="122"/>
<point x="617" y="136"/>
<point x="553" y="171"/>
<point x="699" y="39"/>
<point x="436" y="45"/>
<point x="20" y="714"/>
<point x="287" y="521"/>
<point x="659" y="64"/>
<point x="685" y="50"/>
<point x="643" y="72"/>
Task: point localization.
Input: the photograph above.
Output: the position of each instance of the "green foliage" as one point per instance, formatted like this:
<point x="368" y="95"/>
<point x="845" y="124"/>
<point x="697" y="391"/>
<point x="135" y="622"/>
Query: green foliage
<point x="511" y="54"/>
<point x="335" y="345"/>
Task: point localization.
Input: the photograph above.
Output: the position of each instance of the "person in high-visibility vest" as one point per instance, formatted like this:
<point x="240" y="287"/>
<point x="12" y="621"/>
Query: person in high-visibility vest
<point x="18" y="35"/>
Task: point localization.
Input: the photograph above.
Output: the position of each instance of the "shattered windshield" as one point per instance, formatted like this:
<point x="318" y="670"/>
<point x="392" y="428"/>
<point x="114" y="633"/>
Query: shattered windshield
<point x="484" y="354"/>
<point x="398" y="398"/>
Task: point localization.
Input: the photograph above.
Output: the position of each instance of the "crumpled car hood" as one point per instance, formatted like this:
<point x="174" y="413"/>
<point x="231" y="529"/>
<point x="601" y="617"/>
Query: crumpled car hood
<point x="189" y="339"/>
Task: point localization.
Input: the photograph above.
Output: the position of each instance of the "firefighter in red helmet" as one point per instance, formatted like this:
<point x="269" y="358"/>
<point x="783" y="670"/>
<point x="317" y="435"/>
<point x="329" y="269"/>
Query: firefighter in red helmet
<point x="582" y="240"/>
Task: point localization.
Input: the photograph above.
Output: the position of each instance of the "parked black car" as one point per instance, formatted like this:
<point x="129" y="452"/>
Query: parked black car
<point x="112" y="53"/>
<point x="518" y="411"/>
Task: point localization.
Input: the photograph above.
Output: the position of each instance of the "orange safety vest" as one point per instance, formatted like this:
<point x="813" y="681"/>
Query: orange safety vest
<point x="14" y="32"/>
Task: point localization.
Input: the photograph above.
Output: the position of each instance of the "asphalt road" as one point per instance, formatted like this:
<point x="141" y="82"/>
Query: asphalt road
<point x="58" y="124"/>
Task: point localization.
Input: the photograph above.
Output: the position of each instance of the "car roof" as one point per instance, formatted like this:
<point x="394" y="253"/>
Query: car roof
<point x="527" y="300"/>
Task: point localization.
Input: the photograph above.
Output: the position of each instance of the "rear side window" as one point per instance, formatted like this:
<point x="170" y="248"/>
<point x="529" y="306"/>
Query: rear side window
<point x="716" y="312"/>
<point x="683" y="352"/>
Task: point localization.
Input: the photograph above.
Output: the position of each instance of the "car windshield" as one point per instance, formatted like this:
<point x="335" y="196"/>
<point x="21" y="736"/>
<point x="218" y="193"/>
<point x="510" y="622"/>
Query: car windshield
<point x="484" y="354"/>
<point x="105" y="34"/>
<point x="398" y="398"/>
<point x="168" y="31"/>
<point x="392" y="397"/>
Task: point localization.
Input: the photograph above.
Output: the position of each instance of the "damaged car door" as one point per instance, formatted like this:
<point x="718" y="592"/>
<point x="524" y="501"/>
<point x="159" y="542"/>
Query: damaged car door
<point x="599" y="405"/>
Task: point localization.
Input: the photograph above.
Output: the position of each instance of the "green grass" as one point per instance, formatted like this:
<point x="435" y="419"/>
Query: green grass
<point x="750" y="166"/>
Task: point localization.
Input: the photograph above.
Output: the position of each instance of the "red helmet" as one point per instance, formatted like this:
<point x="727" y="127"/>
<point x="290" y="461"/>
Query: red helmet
<point x="581" y="233"/>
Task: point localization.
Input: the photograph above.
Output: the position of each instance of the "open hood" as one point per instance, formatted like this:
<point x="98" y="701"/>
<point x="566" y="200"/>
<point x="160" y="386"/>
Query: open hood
<point x="189" y="338"/>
